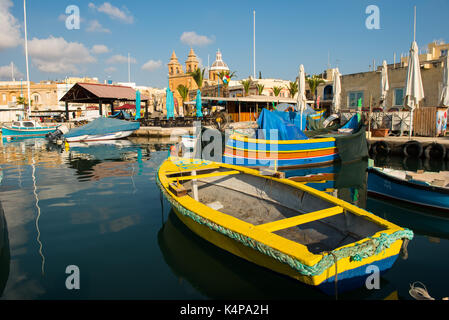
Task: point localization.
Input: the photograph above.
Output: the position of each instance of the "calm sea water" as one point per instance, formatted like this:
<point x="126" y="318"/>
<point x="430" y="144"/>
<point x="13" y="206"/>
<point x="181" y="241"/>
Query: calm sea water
<point x="98" y="207"/>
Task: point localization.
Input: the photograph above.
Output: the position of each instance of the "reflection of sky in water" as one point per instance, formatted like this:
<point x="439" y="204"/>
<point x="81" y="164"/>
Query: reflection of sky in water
<point x="101" y="210"/>
<point x="94" y="206"/>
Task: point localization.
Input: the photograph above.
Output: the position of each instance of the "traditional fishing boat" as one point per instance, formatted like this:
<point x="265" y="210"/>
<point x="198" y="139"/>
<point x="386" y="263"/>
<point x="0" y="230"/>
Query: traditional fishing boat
<point x="426" y="189"/>
<point x="280" y="224"/>
<point x="281" y="144"/>
<point x="101" y="129"/>
<point x="27" y="128"/>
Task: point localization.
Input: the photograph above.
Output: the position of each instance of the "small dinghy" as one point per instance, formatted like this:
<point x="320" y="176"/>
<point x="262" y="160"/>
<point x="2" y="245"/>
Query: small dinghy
<point x="280" y="224"/>
<point x="425" y="189"/>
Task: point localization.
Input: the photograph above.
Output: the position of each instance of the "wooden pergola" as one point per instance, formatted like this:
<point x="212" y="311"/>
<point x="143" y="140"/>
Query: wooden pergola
<point x="101" y="94"/>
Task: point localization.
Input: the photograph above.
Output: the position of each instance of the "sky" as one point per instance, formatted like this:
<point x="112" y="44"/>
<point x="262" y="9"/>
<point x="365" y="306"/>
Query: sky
<point x="288" y="33"/>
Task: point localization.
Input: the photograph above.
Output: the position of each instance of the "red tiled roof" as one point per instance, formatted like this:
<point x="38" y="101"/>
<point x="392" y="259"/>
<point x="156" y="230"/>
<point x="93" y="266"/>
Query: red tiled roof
<point x="101" y="91"/>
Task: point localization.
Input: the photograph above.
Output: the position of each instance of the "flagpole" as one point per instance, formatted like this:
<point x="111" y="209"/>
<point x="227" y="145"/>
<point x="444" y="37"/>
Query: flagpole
<point x="254" y="44"/>
<point x="26" y="58"/>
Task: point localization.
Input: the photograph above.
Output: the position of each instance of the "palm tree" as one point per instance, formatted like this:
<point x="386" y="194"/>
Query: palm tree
<point x="246" y="85"/>
<point x="292" y="88"/>
<point x="183" y="92"/>
<point x="22" y="101"/>
<point x="198" y="76"/>
<point x="277" y="91"/>
<point x="223" y="74"/>
<point x="260" y="88"/>
<point x="314" y="82"/>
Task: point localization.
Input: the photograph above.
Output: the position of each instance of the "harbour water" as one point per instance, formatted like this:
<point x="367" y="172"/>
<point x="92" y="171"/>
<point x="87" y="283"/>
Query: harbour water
<point x="98" y="207"/>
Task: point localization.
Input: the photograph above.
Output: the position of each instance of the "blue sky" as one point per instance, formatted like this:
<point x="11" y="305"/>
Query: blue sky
<point x="288" y="33"/>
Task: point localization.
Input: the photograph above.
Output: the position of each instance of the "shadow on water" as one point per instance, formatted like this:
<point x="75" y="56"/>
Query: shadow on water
<point x="220" y="275"/>
<point x="5" y="256"/>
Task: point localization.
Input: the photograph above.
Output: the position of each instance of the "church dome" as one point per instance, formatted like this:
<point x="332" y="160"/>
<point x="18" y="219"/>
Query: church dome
<point x="219" y="63"/>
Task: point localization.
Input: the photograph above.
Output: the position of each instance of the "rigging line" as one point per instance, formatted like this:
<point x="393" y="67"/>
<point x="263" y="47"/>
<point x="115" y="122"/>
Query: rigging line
<point x="38" y="214"/>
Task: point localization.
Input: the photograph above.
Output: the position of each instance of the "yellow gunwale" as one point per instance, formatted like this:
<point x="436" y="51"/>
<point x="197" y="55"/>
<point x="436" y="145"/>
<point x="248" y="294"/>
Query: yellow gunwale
<point x="283" y="245"/>
<point x="277" y="151"/>
<point x="239" y="137"/>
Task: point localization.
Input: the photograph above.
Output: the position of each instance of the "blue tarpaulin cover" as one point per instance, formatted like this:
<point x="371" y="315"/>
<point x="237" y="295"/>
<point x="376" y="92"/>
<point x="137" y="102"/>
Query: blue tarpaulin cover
<point x="353" y="123"/>
<point x="103" y="126"/>
<point x="287" y="125"/>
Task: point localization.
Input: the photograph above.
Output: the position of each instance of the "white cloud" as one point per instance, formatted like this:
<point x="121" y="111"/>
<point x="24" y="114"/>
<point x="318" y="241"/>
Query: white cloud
<point x="122" y="15"/>
<point x="6" y="72"/>
<point x="10" y="35"/>
<point x="110" y="69"/>
<point x="193" y="39"/>
<point x="99" y="49"/>
<point x="152" y="65"/>
<point x="56" y="55"/>
<point x="120" y="59"/>
<point x="95" y="26"/>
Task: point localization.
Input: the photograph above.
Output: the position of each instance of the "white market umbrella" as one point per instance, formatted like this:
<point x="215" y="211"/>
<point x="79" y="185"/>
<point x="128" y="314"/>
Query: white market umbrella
<point x="337" y="90"/>
<point x="444" y="97"/>
<point x="301" y="91"/>
<point x="414" y="91"/>
<point x="384" y="86"/>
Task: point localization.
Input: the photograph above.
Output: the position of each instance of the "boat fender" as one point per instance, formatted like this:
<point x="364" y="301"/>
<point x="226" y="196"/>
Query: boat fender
<point x="435" y="151"/>
<point x="380" y="147"/>
<point x="412" y="149"/>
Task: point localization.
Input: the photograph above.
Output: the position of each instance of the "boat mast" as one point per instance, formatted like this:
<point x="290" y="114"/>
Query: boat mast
<point x="254" y="45"/>
<point x="26" y="57"/>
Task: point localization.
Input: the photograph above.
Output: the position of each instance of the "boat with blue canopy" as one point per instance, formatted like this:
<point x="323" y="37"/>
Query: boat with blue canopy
<point x="281" y="142"/>
<point x="102" y="129"/>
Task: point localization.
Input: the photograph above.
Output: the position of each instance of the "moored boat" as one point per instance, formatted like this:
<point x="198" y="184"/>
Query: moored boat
<point x="280" y="224"/>
<point x="426" y="189"/>
<point x="27" y="128"/>
<point x="281" y="144"/>
<point x="102" y="129"/>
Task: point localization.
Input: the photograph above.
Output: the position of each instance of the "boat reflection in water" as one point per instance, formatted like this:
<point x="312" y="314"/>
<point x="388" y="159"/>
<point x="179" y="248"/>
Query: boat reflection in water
<point x="421" y="220"/>
<point x="218" y="274"/>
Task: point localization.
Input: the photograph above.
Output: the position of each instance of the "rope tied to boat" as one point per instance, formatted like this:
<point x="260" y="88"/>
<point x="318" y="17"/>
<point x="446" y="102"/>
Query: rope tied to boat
<point x="358" y="252"/>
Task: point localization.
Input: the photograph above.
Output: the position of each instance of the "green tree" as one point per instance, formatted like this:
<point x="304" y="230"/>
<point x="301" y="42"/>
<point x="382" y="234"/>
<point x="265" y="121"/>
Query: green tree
<point x="22" y="101"/>
<point x="183" y="92"/>
<point x="246" y="85"/>
<point x="314" y="82"/>
<point x="260" y="88"/>
<point x="198" y="76"/>
<point x="292" y="88"/>
<point x="277" y="91"/>
<point x="223" y="74"/>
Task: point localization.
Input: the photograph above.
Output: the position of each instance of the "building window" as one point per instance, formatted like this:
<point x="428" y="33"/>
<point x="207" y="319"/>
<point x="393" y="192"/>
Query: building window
<point x="444" y="52"/>
<point x="14" y="99"/>
<point x="398" y="97"/>
<point x="354" y="98"/>
<point x="4" y="97"/>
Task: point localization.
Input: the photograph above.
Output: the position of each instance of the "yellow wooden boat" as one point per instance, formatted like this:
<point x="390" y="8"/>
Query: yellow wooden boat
<point x="280" y="224"/>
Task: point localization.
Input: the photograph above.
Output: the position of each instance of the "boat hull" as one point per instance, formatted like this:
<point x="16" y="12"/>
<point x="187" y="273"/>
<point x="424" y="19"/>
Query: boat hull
<point x="8" y="131"/>
<point x="385" y="186"/>
<point x="110" y="136"/>
<point x="247" y="242"/>
<point x="281" y="154"/>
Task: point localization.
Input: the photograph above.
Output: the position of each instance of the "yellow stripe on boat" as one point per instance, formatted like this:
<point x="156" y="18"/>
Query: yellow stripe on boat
<point x="302" y="219"/>
<point x="260" y="141"/>
<point x="202" y="176"/>
<point x="264" y="235"/>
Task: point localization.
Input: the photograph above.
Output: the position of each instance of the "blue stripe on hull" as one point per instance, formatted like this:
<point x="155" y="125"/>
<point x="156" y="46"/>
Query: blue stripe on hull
<point x="279" y="146"/>
<point x="26" y="133"/>
<point x="408" y="193"/>
<point x="356" y="278"/>
<point x="280" y="163"/>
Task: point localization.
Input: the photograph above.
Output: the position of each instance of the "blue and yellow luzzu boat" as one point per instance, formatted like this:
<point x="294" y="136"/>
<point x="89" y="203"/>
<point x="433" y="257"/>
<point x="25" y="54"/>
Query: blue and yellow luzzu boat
<point x="280" y="143"/>
<point x="280" y="224"/>
<point x="27" y="128"/>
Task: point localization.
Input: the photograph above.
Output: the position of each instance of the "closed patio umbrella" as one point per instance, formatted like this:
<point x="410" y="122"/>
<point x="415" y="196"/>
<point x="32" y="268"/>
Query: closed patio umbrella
<point x="384" y="86"/>
<point x="137" y="105"/>
<point x="170" y="104"/>
<point x="414" y="91"/>
<point x="301" y="92"/>
<point x="337" y="90"/>
<point x="199" y="113"/>
<point x="444" y="97"/>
